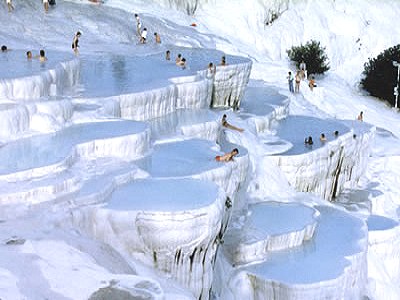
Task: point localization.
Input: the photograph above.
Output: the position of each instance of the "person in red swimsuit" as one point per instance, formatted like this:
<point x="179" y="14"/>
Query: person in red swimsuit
<point x="227" y="156"/>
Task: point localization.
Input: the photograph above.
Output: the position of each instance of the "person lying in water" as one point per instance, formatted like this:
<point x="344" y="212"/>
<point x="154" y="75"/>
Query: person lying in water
<point x="227" y="125"/>
<point x="227" y="156"/>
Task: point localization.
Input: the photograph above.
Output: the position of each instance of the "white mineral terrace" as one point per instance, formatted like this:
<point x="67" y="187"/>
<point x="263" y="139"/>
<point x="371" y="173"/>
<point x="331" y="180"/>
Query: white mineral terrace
<point x="263" y="104"/>
<point x="338" y="247"/>
<point x="270" y="227"/>
<point x="153" y="190"/>
<point x="324" y="167"/>
<point x="195" y="158"/>
<point x="33" y="79"/>
<point x="123" y="88"/>
<point x="32" y="157"/>
<point x="384" y="246"/>
<point x="159" y="222"/>
<point x="187" y="123"/>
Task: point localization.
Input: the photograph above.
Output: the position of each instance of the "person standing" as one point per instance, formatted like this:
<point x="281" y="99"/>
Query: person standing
<point x="157" y="38"/>
<point x="46" y="5"/>
<point x="10" y="6"/>
<point x="311" y="83"/>
<point x="360" y="116"/>
<point x="75" y="42"/>
<point x="303" y="69"/>
<point x="143" y="37"/>
<point x="290" y="81"/>
<point x="138" y="25"/>
<point x="298" y="79"/>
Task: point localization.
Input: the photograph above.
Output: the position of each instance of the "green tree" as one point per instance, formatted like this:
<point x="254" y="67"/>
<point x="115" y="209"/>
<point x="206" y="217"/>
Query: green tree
<point x="380" y="76"/>
<point x="312" y="54"/>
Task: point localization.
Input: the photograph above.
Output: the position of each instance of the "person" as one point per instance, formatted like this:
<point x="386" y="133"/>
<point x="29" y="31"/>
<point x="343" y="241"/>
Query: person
<point x="308" y="141"/>
<point x="168" y="55"/>
<point x="360" y="116"/>
<point x="178" y="59"/>
<point x="42" y="56"/>
<point x="322" y="138"/>
<point x="29" y="55"/>
<point x="298" y="79"/>
<point x="336" y="133"/>
<point x="223" y="61"/>
<point x="46" y="5"/>
<point x="211" y="69"/>
<point x="143" y="36"/>
<point x="4" y="48"/>
<point x="10" y="6"/>
<point x="182" y="63"/>
<point x="75" y="42"/>
<point x="290" y="81"/>
<point x="227" y="156"/>
<point x="227" y="125"/>
<point x="303" y="69"/>
<point x="138" y="25"/>
<point x="311" y="83"/>
<point x="157" y="37"/>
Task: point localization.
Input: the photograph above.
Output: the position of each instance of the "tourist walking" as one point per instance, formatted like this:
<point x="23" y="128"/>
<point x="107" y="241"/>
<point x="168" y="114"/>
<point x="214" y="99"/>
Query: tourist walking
<point x="10" y="6"/>
<point x="46" y="5"/>
<point x="290" y="81"/>
<point x="298" y="80"/>
<point x="75" y="42"/>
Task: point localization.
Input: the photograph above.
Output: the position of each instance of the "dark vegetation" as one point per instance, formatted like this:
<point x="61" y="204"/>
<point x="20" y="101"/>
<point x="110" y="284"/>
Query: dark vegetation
<point x="380" y="76"/>
<point x="313" y="54"/>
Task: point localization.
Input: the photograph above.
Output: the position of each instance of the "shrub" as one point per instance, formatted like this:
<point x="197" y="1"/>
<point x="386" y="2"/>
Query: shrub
<point x="380" y="76"/>
<point x="312" y="54"/>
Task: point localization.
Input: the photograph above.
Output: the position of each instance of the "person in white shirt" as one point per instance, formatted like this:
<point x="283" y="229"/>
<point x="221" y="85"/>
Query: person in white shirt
<point x="143" y="36"/>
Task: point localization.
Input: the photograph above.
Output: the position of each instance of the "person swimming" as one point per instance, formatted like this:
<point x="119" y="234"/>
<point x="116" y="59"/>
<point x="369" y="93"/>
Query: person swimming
<point x="227" y="156"/>
<point x="308" y="141"/>
<point x="42" y="56"/>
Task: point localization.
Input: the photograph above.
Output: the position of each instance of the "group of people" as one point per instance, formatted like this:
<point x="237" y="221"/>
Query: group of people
<point x="230" y="155"/>
<point x="46" y="4"/>
<point x="301" y="74"/>
<point x="143" y="33"/>
<point x="42" y="54"/>
<point x="179" y="60"/>
<point x="308" y="141"/>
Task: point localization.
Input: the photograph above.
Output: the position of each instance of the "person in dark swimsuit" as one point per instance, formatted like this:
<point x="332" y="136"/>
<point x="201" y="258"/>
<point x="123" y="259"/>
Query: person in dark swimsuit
<point x="75" y="42"/>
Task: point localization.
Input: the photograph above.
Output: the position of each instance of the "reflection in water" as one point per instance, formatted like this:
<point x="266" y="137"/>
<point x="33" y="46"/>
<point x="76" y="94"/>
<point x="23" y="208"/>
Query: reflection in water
<point x="118" y="65"/>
